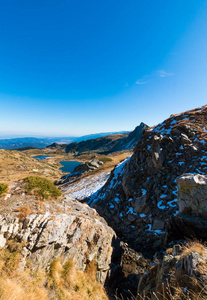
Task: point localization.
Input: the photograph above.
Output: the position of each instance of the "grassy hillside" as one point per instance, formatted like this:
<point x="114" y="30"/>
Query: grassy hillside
<point x="16" y="165"/>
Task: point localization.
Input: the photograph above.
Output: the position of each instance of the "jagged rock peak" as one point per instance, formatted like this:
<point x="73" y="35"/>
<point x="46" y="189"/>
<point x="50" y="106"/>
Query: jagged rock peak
<point x="141" y="194"/>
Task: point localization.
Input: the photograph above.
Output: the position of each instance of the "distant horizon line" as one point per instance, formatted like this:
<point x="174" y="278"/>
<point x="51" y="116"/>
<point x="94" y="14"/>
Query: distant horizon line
<point x="36" y="135"/>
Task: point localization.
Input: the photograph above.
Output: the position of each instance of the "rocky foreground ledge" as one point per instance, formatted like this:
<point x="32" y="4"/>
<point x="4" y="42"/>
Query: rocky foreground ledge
<point x="79" y="234"/>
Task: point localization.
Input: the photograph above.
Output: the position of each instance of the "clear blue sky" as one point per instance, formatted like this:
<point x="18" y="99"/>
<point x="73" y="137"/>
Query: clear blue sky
<point x="73" y="67"/>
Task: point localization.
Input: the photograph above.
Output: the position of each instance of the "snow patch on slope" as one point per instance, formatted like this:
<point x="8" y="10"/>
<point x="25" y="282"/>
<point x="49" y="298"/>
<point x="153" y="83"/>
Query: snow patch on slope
<point x="86" y="187"/>
<point x="117" y="173"/>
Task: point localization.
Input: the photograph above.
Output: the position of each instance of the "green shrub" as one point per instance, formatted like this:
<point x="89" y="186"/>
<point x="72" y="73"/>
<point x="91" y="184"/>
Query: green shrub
<point x="3" y="188"/>
<point x="105" y="159"/>
<point x="41" y="187"/>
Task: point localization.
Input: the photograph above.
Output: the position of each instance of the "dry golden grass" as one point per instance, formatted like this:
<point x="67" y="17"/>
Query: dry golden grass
<point x="59" y="210"/>
<point x="24" y="211"/>
<point x="66" y="282"/>
<point x="40" y="203"/>
<point x="16" y="284"/>
<point x="21" y="289"/>
<point x="169" y="251"/>
<point x="194" y="246"/>
<point x="62" y="282"/>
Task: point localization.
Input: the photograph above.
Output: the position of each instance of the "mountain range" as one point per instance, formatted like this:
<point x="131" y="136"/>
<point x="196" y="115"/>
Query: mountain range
<point x="108" y="144"/>
<point x="33" y="142"/>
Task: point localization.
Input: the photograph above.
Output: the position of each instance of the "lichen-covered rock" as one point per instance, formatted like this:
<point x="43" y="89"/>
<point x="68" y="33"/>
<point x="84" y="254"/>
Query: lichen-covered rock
<point x="80" y="234"/>
<point x="192" y="193"/>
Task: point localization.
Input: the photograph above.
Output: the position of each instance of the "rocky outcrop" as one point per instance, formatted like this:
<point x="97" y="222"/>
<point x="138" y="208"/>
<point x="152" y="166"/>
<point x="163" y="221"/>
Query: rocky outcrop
<point x="141" y="194"/>
<point x="179" y="274"/>
<point x="110" y="143"/>
<point x="191" y="222"/>
<point x="78" y="171"/>
<point x="78" y="234"/>
<point x="192" y="194"/>
<point x="88" y="166"/>
<point x="126" y="272"/>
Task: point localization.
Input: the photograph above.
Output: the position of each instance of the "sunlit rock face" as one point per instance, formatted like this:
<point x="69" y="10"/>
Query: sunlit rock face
<point x="192" y="193"/>
<point x="80" y="234"/>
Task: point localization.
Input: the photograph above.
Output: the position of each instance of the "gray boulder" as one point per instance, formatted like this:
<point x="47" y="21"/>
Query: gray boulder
<point x="192" y="193"/>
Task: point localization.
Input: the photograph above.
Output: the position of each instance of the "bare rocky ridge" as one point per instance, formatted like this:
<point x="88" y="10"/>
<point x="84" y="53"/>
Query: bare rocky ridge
<point x="180" y="271"/>
<point x="141" y="194"/>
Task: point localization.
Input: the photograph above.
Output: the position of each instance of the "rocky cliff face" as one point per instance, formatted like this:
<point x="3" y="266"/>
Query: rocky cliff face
<point x="108" y="144"/>
<point x="178" y="270"/>
<point x="77" y="233"/>
<point x="141" y="193"/>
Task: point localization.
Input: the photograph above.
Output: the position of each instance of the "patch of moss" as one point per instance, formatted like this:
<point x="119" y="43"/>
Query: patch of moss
<point x="3" y="188"/>
<point x="41" y="187"/>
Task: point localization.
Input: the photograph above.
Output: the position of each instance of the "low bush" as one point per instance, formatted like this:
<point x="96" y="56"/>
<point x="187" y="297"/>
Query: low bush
<point x="41" y="187"/>
<point x="3" y="188"/>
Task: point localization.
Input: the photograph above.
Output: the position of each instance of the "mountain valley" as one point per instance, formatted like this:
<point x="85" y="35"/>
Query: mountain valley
<point x="136" y="210"/>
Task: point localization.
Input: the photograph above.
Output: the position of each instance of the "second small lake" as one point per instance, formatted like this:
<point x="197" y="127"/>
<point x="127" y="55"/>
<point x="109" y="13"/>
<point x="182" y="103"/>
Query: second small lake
<point x="42" y="156"/>
<point x="69" y="166"/>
